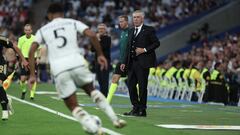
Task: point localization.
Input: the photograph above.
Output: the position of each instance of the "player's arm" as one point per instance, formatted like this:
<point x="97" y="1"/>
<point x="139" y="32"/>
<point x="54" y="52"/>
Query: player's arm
<point x="24" y="61"/>
<point x="95" y="43"/>
<point x="31" y="58"/>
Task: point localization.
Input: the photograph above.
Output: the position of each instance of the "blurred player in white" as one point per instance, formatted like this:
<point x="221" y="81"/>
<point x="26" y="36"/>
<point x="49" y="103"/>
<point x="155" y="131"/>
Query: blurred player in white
<point x="68" y="66"/>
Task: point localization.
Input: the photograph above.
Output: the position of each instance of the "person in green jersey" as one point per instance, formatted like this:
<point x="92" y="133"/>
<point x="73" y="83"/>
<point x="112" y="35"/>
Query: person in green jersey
<point x="24" y="44"/>
<point x="123" y="23"/>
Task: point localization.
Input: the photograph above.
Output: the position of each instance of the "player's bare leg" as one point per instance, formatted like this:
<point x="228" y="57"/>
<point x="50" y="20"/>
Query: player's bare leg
<point x="102" y="103"/>
<point x="81" y="115"/>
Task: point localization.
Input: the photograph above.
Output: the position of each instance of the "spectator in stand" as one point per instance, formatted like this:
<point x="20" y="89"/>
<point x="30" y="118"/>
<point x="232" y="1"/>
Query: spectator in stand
<point x="14" y="14"/>
<point x="159" y="14"/>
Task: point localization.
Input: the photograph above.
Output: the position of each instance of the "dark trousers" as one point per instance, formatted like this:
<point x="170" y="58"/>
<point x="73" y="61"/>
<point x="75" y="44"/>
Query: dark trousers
<point x="138" y="75"/>
<point x="217" y="92"/>
<point x="233" y="94"/>
<point x="103" y="79"/>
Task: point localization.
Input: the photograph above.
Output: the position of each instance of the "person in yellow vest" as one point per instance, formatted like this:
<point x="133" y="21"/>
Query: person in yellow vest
<point x="163" y="79"/>
<point x="179" y="71"/>
<point x="179" y="80"/>
<point x="205" y="76"/>
<point x="152" y="71"/>
<point x="195" y="77"/>
<point x="158" y="69"/>
<point x="216" y="74"/>
<point x="160" y="72"/>
<point x="171" y="71"/>
<point x="24" y="44"/>
<point x="171" y="80"/>
<point x="185" y="77"/>
<point x="217" y="86"/>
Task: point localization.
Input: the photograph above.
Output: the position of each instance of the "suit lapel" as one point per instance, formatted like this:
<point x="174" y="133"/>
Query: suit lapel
<point x="141" y="31"/>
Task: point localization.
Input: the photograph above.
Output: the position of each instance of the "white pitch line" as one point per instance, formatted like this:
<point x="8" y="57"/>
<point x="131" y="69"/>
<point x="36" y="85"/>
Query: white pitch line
<point x="127" y="116"/>
<point x="56" y="98"/>
<point x="108" y="131"/>
<point x="54" y="93"/>
<point x="43" y="108"/>
<point x="206" y="127"/>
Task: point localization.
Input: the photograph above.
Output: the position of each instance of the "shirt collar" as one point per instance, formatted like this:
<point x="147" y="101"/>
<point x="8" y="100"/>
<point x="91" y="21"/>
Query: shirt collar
<point x="139" y="27"/>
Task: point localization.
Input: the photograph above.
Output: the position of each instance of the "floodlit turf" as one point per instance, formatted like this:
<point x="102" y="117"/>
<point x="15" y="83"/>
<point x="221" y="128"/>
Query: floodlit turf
<point x="29" y="120"/>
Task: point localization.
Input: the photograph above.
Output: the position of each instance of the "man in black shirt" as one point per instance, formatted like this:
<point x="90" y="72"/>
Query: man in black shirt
<point x="103" y="74"/>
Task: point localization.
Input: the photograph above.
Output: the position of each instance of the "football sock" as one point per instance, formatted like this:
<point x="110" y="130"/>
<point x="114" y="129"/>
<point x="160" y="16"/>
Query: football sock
<point x="23" y="86"/>
<point x="33" y="89"/>
<point x="111" y="92"/>
<point x="102" y="103"/>
<point x="79" y="113"/>
<point x="85" y="119"/>
<point x="3" y="98"/>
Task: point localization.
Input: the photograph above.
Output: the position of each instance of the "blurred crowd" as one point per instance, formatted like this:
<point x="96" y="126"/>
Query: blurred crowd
<point x="219" y="58"/>
<point x="14" y="14"/>
<point x="158" y="13"/>
<point x="225" y="51"/>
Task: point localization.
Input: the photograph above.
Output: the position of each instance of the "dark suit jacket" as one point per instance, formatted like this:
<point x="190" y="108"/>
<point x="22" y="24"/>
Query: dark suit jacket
<point x="146" y="38"/>
<point x="105" y="43"/>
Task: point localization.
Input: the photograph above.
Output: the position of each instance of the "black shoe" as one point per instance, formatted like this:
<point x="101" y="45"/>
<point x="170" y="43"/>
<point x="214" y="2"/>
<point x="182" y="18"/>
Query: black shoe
<point x="31" y="98"/>
<point x="133" y="112"/>
<point x="142" y="113"/>
<point x="23" y="95"/>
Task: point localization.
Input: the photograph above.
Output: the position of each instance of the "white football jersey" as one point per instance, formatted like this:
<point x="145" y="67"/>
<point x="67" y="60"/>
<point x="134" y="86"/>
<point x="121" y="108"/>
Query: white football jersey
<point x="60" y="36"/>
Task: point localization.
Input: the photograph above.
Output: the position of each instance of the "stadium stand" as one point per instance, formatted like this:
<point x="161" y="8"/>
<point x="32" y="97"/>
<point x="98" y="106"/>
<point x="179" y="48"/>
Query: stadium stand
<point x="158" y="14"/>
<point x="13" y="15"/>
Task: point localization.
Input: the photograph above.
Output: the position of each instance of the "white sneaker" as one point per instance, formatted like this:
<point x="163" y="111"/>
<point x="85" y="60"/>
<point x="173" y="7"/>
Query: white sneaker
<point x="10" y="107"/>
<point x="5" y="115"/>
<point x="119" y="123"/>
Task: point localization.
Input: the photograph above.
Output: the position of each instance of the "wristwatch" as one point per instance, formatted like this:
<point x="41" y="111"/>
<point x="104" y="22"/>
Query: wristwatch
<point x="145" y="50"/>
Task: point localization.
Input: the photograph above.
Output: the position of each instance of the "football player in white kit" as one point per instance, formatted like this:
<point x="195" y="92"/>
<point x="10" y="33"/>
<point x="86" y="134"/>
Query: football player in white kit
<point x="68" y="66"/>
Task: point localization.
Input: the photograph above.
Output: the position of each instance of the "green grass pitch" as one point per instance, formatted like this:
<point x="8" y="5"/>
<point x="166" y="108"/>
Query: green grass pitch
<point x="28" y="120"/>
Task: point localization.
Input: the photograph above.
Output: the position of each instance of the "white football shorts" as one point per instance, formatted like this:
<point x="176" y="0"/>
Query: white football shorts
<point x="68" y="81"/>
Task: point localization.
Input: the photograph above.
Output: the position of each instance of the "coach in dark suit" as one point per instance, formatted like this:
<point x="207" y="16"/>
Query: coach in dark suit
<point x="140" y="57"/>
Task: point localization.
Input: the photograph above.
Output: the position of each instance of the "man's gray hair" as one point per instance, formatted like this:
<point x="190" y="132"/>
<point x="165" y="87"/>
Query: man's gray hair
<point x="139" y="12"/>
